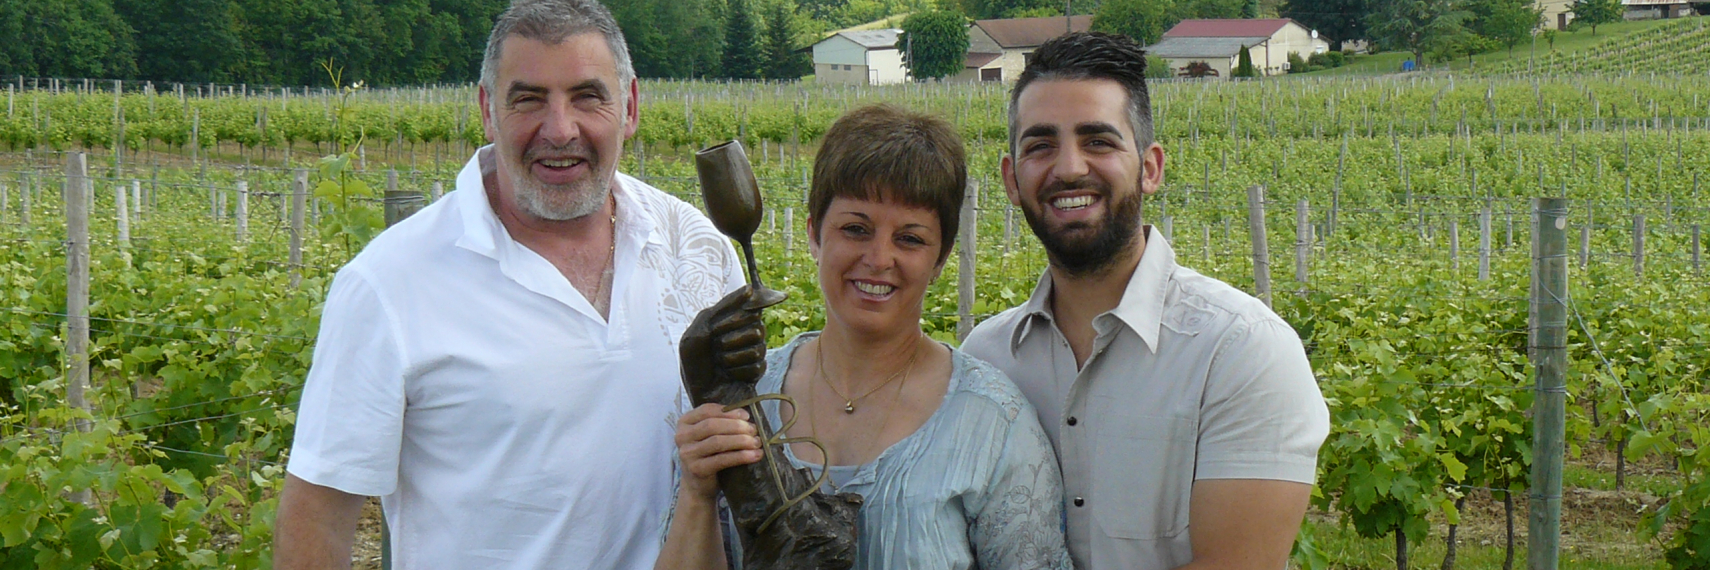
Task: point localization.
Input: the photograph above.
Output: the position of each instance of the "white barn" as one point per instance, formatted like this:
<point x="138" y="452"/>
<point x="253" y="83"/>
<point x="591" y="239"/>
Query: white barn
<point x="865" y="57"/>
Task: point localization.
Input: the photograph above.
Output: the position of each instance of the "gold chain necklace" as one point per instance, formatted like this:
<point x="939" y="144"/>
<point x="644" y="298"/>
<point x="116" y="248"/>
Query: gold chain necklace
<point x="813" y="430"/>
<point x="848" y="402"/>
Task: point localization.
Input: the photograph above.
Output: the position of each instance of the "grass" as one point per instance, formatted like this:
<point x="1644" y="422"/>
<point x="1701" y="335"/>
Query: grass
<point x="1390" y="62"/>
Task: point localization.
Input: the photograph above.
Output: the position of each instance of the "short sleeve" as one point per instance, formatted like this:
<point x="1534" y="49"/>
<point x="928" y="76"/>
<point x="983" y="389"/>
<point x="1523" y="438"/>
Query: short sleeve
<point x="1263" y="417"/>
<point x="1019" y="524"/>
<point x="350" y="419"/>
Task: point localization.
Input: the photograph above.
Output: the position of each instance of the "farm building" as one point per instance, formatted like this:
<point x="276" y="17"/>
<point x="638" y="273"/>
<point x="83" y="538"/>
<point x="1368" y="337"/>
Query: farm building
<point x="1656" y="9"/>
<point x="999" y="49"/>
<point x="866" y="57"/>
<point x="1217" y="44"/>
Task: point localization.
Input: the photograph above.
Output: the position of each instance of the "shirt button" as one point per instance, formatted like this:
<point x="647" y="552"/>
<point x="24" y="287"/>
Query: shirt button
<point x="1073" y="421"/>
<point x="1079" y="502"/>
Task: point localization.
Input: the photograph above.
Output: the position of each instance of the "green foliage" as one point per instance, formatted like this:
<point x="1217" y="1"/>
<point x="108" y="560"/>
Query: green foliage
<point x="1417" y="26"/>
<point x="1336" y="20"/>
<point x="1596" y="12"/>
<point x="743" y="56"/>
<point x="65" y="38"/>
<point x="992" y="9"/>
<point x="1506" y="22"/>
<point x="1296" y="64"/>
<point x="1244" y="65"/>
<point x="934" y="44"/>
<point x="782" y="60"/>
<point x="1158" y="68"/>
<point x="1142" y="20"/>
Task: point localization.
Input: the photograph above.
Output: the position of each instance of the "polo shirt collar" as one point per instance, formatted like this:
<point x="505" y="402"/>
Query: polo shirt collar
<point x="1142" y="304"/>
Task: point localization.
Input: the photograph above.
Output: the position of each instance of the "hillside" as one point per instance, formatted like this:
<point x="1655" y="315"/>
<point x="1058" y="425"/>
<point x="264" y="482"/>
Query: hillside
<point x="1680" y="46"/>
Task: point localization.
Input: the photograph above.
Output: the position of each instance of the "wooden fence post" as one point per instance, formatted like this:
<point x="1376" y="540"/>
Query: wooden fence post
<point x="789" y="236"/>
<point x="136" y="198"/>
<point x="1205" y="241"/>
<point x="1549" y="351"/>
<point x="77" y="193"/>
<point x="1302" y="242"/>
<point x="438" y="190"/>
<point x="1696" y="267"/>
<point x="24" y="200"/>
<point x="1484" y="244"/>
<point x="1638" y="245"/>
<point x="1168" y="228"/>
<point x="1261" y="250"/>
<point x="299" y="193"/>
<point x="965" y="270"/>
<point x="1455" y="244"/>
<point x="242" y="213"/>
<point x="123" y="210"/>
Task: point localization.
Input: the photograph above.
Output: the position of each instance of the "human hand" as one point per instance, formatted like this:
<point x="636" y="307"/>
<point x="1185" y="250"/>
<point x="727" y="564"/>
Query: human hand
<point x="724" y="347"/>
<point x="710" y="440"/>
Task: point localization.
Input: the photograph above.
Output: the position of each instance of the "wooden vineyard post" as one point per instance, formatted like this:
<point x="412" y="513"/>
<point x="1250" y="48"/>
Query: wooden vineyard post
<point x="1168" y="228"/>
<point x="1205" y="240"/>
<point x="136" y="198"/>
<point x="965" y="269"/>
<point x="789" y="236"/>
<point x="124" y="219"/>
<point x="1455" y="244"/>
<point x="1302" y="242"/>
<point x="242" y="213"/>
<point x="299" y="193"/>
<point x="1261" y="250"/>
<point x="1549" y="351"/>
<point x="24" y="200"/>
<point x="1697" y="268"/>
<point x="77" y="194"/>
<point x="1484" y="245"/>
<point x="1638" y="245"/>
<point x="438" y="190"/>
<point x="1584" y="245"/>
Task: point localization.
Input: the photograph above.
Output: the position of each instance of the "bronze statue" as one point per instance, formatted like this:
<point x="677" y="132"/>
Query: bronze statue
<point x="783" y="520"/>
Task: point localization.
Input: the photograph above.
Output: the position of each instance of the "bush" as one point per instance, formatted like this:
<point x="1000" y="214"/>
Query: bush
<point x="1295" y="64"/>
<point x="1158" y="68"/>
<point x="1337" y="59"/>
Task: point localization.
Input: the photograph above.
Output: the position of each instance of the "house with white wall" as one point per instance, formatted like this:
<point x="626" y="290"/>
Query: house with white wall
<point x="864" y="57"/>
<point x="1218" y="43"/>
<point x="998" y="50"/>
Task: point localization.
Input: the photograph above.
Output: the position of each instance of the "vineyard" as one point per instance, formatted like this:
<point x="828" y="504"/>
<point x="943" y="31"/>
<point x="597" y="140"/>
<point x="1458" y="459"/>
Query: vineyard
<point x="1673" y="47"/>
<point x="1398" y="215"/>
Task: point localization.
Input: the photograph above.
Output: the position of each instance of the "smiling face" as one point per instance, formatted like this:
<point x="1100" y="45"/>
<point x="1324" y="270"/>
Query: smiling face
<point x="558" y="120"/>
<point x="876" y="259"/>
<point x="1078" y="173"/>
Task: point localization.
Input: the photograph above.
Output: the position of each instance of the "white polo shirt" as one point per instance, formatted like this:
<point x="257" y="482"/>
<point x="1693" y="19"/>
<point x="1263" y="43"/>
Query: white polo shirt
<point x="1189" y="379"/>
<point x="505" y="424"/>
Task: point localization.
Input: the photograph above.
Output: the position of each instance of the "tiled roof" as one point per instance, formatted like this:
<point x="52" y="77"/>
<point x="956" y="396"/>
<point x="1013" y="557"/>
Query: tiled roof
<point x="1184" y="47"/>
<point x="978" y="60"/>
<point x="1227" y="28"/>
<point x="1030" y="32"/>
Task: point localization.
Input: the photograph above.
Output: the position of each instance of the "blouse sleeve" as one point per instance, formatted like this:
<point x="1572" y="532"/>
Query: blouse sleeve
<point x="1020" y="523"/>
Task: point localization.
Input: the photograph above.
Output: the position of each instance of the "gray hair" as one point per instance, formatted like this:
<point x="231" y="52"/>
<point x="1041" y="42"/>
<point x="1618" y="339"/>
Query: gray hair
<point x="551" y="21"/>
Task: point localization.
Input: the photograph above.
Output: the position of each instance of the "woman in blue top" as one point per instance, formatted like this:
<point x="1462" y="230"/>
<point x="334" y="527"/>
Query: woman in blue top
<point x="949" y="458"/>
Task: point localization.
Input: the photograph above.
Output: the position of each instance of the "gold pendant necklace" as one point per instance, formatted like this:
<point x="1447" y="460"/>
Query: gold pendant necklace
<point x="848" y="402"/>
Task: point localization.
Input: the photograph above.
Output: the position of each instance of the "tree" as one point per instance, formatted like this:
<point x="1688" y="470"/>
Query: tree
<point x="783" y="62"/>
<point x="65" y="38"/>
<point x="934" y="44"/>
<point x="1251" y="10"/>
<point x="1143" y="21"/>
<point x="1245" y="67"/>
<point x="1506" y="22"/>
<point x="1596" y="12"/>
<point x="1417" y="26"/>
<point x="1337" y="20"/>
<point x="741" y="53"/>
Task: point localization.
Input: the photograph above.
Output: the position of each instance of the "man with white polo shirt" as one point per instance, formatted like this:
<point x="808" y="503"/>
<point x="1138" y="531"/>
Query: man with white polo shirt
<point x="501" y="367"/>
<point x="1184" y="412"/>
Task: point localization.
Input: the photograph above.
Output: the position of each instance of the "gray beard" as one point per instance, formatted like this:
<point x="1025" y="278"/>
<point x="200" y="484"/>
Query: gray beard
<point x="561" y="204"/>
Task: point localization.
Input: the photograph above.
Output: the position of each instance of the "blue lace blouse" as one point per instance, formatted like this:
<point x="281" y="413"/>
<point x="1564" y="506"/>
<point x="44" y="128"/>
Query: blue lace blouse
<point x="977" y="486"/>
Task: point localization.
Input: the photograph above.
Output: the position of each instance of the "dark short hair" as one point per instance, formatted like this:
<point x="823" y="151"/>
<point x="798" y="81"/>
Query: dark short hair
<point x="1090" y="55"/>
<point x="883" y="152"/>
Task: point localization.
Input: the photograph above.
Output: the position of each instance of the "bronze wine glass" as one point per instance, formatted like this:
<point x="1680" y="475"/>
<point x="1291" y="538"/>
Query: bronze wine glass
<point x="732" y="197"/>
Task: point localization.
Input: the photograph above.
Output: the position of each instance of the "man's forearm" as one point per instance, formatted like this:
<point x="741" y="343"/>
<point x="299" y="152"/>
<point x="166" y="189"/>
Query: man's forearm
<point x="315" y="526"/>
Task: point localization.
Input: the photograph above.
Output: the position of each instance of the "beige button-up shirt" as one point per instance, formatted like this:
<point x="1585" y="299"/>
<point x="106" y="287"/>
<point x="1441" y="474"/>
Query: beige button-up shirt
<point x="1189" y="379"/>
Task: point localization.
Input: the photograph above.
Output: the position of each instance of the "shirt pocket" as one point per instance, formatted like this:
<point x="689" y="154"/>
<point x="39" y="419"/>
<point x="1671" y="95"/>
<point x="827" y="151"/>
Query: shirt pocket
<point x="1143" y="475"/>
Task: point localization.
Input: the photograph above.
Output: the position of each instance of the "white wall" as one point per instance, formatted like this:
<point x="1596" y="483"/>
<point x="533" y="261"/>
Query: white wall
<point x="1223" y="65"/>
<point x="835" y="73"/>
<point x="886" y="67"/>
<point x="1292" y="38"/>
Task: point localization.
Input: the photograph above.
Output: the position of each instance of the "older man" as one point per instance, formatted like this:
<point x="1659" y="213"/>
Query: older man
<point x="1184" y="412"/>
<point x="501" y="367"/>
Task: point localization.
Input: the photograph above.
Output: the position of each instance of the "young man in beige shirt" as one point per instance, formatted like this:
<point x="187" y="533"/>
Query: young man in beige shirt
<point x="1184" y="412"/>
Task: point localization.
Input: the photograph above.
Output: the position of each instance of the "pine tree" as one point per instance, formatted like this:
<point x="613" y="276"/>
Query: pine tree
<point x="783" y="62"/>
<point x="1245" y="67"/>
<point x="742" y="57"/>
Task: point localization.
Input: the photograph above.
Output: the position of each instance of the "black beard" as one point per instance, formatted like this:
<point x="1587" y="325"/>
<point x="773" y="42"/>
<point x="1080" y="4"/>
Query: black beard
<point x="1093" y="255"/>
